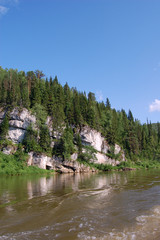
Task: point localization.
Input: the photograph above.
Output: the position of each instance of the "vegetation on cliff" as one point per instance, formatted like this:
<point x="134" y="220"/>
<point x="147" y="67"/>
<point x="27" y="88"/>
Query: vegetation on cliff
<point x="68" y="107"/>
<point x="16" y="165"/>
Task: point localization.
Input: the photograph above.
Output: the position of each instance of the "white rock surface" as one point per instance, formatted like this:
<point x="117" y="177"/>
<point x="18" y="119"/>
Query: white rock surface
<point x="18" y="124"/>
<point x="74" y="156"/>
<point x="117" y="149"/>
<point x="7" y="150"/>
<point x="16" y="135"/>
<point x="24" y="115"/>
<point x="2" y="113"/>
<point x="93" y="138"/>
<point x="21" y="119"/>
<point x="40" y="160"/>
<point x="103" y="159"/>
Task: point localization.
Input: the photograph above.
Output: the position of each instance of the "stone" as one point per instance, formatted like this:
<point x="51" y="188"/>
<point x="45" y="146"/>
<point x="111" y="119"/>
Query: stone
<point x="74" y="156"/>
<point x="2" y="113"/>
<point x="117" y="149"/>
<point x="18" y="124"/>
<point x="8" y="150"/>
<point x="16" y="135"/>
<point x="93" y="138"/>
<point x="21" y="119"/>
<point x="40" y="160"/>
<point x="103" y="159"/>
<point x="24" y="115"/>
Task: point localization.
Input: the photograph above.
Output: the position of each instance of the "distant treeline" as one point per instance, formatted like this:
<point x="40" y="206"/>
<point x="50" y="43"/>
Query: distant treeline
<point x="69" y="106"/>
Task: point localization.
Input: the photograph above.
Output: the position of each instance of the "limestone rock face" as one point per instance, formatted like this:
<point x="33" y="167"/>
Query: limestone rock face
<point x="103" y="159"/>
<point x="93" y="138"/>
<point x="72" y="167"/>
<point x="2" y="113"/>
<point x="40" y="160"/>
<point x="56" y="163"/>
<point x="16" y="135"/>
<point x="117" y="149"/>
<point x="18" y="123"/>
<point x="54" y="134"/>
<point x="9" y="150"/>
<point x="20" y="120"/>
<point x="23" y="116"/>
<point x="74" y="156"/>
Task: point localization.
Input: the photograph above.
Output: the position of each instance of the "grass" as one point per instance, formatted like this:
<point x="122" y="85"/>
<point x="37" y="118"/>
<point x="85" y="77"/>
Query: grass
<point x="16" y="165"/>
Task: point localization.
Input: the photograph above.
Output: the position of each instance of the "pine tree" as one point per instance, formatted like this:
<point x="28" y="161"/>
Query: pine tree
<point x="108" y="105"/>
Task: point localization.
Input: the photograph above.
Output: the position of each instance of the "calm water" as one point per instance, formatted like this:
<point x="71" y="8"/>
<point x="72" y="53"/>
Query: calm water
<point x="119" y="205"/>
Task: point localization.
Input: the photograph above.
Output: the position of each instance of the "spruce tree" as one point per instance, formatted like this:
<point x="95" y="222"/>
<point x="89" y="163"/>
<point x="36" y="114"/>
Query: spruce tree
<point x="4" y="127"/>
<point x="45" y="140"/>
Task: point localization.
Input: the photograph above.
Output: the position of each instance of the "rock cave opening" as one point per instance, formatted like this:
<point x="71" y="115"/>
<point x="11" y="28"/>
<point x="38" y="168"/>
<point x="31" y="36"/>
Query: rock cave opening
<point x="48" y="167"/>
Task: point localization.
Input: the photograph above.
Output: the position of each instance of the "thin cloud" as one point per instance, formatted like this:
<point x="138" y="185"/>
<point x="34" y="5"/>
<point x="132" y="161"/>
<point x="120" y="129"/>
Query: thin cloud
<point x="3" y="10"/>
<point x="155" y="106"/>
<point x="5" y="2"/>
<point x="99" y="95"/>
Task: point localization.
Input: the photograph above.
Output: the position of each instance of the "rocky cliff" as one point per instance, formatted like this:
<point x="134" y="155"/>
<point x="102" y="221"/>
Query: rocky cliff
<point x="20" y="119"/>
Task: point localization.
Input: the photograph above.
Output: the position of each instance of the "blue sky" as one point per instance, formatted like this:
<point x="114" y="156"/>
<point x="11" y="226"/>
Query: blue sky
<point x="109" y="47"/>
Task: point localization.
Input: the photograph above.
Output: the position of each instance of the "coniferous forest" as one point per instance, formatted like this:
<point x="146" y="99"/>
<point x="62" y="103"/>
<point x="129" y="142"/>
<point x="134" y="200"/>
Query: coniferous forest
<point x="70" y="107"/>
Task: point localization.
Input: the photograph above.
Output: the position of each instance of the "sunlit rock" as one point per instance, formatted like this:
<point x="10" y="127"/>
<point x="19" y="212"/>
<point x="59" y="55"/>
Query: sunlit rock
<point x="16" y="135"/>
<point x="93" y="138"/>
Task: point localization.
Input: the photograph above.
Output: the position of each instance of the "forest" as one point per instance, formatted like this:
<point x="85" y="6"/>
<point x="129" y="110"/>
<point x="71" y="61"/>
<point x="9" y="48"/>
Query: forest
<point x="74" y="109"/>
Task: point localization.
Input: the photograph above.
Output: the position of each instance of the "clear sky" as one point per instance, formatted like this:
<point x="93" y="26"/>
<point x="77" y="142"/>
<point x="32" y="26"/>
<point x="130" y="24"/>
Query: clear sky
<point x="109" y="47"/>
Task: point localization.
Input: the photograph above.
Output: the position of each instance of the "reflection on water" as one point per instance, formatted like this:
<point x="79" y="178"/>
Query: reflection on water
<point x="118" y="205"/>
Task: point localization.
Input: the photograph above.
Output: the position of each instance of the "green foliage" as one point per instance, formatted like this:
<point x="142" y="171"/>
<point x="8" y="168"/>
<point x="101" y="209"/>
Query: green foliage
<point x="66" y="105"/>
<point x="112" y="155"/>
<point x="139" y="164"/>
<point x="45" y="140"/>
<point x="12" y="164"/>
<point x="88" y="155"/>
<point x="4" y="143"/>
<point x="40" y="113"/>
<point x="78" y="142"/>
<point x="65" y="146"/>
<point x="30" y="140"/>
<point x="16" y="165"/>
<point x="4" y="127"/>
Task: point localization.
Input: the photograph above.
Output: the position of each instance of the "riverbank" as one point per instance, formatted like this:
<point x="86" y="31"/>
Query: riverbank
<point x="125" y="166"/>
<point x="16" y="164"/>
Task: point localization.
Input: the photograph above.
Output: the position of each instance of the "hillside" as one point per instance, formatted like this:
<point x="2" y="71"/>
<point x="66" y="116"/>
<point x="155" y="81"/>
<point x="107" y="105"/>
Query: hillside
<point x="57" y="116"/>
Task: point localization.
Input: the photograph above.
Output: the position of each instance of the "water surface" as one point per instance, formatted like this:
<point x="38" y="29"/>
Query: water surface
<point x="117" y="205"/>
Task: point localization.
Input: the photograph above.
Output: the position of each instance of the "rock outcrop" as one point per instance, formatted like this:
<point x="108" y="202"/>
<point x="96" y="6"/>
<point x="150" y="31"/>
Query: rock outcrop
<point x="42" y="161"/>
<point x="20" y="119"/>
<point x="18" y="123"/>
<point x="93" y="138"/>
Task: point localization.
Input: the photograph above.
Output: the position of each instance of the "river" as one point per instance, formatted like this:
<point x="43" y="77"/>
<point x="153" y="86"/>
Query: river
<point x="114" y="205"/>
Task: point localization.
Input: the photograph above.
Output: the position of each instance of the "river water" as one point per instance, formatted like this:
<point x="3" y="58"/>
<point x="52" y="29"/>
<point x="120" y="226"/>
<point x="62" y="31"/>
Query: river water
<point x="114" y="205"/>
